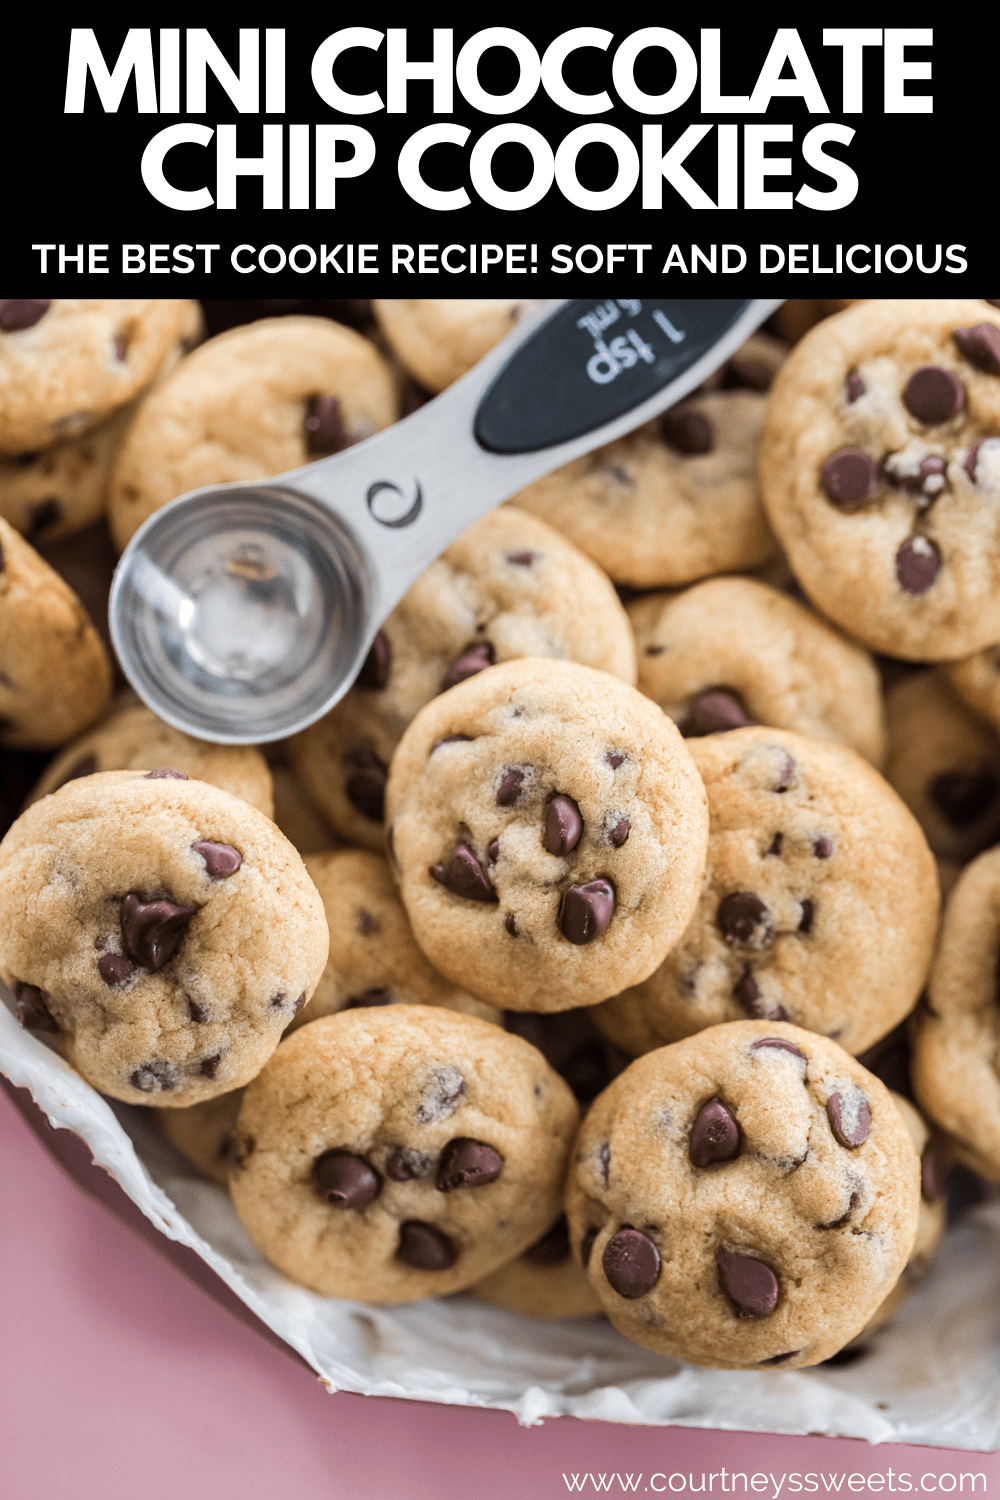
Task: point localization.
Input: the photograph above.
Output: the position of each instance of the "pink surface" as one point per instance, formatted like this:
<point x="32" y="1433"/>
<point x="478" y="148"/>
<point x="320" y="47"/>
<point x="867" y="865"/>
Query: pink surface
<point x="120" y="1378"/>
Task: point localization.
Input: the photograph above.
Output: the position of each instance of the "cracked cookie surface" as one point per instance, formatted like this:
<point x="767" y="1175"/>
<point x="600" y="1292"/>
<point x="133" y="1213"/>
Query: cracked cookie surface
<point x="159" y="930"/>
<point x="745" y="1198"/>
<point x="548" y="827"/>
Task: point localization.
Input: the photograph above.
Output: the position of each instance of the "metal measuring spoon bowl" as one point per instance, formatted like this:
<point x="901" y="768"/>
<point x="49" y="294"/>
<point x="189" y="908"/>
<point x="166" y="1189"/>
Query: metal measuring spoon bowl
<point x="241" y="613"/>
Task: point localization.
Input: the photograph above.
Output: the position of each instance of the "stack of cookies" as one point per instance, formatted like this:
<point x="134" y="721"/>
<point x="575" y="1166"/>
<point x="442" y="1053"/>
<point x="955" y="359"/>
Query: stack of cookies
<point x="596" y="917"/>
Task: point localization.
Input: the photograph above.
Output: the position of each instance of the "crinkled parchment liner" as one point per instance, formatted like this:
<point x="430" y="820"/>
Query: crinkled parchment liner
<point x="932" y="1377"/>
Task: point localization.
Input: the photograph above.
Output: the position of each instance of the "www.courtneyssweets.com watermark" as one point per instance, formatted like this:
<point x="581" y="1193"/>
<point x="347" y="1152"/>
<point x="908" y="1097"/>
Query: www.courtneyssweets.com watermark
<point x="773" y="1485"/>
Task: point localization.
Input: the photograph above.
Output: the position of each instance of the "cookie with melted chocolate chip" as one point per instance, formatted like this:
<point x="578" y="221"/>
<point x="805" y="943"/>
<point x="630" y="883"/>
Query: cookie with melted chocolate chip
<point x="248" y="404"/>
<point x="819" y="904"/>
<point x="880" y="471"/>
<point x="161" y="931"/>
<point x="401" y="1152"/>
<point x="745" y="1198"/>
<point x="548" y="828"/>
<point x="509" y="586"/>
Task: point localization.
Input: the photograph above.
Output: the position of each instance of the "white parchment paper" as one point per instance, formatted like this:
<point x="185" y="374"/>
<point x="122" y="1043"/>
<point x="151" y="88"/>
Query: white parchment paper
<point x="932" y="1377"/>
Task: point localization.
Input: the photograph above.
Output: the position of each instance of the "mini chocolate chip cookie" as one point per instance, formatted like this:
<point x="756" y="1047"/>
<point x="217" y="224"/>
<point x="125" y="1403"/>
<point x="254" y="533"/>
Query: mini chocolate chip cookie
<point x="374" y="957"/>
<point x="544" y="1282"/>
<point x="133" y="738"/>
<point x="744" y="1199"/>
<point x="398" y="1153"/>
<point x="880" y="470"/>
<point x="731" y="651"/>
<point x="438" y="339"/>
<point x="548" y="827"/>
<point x="673" y="501"/>
<point x="249" y="404"/>
<point x="205" y="1133"/>
<point x="944" y="762"/>
<point x="956" y="1038"/>
<point x="510" y="586"/>
<point x="55" y="675"/>
<point x="67" y="364"/>
<point x="819" y="904"/>
<point x="162" y="932"/>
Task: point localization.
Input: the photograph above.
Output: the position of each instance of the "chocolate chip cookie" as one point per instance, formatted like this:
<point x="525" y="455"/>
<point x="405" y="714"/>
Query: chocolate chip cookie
<point x="880" y="470"/>
<point x="133" y="738"/>
<point x="67" y="364"/>
<point x="744" y="1199"/>
<point x="548" y="828"/>
<point x="944" y="761"/>
<point x="438" y="339"/>
<point x="819" y="904"/>
<point x="160" y="931"/>
<point x="397" y="1153"/>
<point x="510" y="586"/>
<point x="374" y="957"/>
<point x="673" y="501"/>
<point x="732" y="651"/>
<point x="956" y="1038"/>
<point x="205" y="1133"/>
<point x="249" y="404"/>
<point x="55" y="675"/>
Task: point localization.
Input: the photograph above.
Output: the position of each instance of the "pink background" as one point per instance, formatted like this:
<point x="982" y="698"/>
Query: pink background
<point x="121" y="1378"/>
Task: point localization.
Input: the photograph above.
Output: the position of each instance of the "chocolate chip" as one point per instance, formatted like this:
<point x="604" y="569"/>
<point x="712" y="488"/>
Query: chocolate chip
<point x="855" y="387"/>
<point x="918" y="563"/>
<point x="522" y="559"/>
<point x="152" y="930"/>
<point x="374" y="672"/>
<point x="41" y="517"/>
<point x="563" y="825"/>
<point x="509" y="789"/>
<point x="221" y="860"/>
<point x="164" y="773"/>
<point x="324" y="426"/>
<point x="151" y="1077"/>
<point x="933" y="1173"/>
<point x="451" y="739"/>
<point x="120" y="346"/>
<point x="981" y="346"/>
<point x="197" y="1012"/>
<point x="403" y="1164"/>
<point x="233" y="1148"/>
<point x="744" y="920"/>
<point x="686" y="430"/>
<point x="366" y="923"/>
<point x="553" y="1247"/>
<point x="345" y="1180"/>
<point x="493" y="851"/>
<point x="713" y="713"/>
<point x="365" y="786"/>
<point x="971" y="459"/>
<point x="21" y="312"/>
<point x="467" y="1163"/>
<point x="964" y="796"/>
<point x="618" y="834"/>
<point x="849" y="477"/>
<point x="933" y="394"/>
<point x="85" y="767"/>
<point x="277" y="1000"/>
<point x="631" y="1263"/>
<point x="30" y="1007"/>
<point x="369" y="998"/>
<point x="210" y="1065"/>
<point x="806" y="913"/>
<point x="749" y="1284"/>
<point x="423" y="1247"/>
<point x="715" y="1135"/>
<point x="114" y="968"/>
<point x="510" y="923"/>
<point x="616" y="758"/>
<point x="463" y="875"/>
<point x="472" y="660"/>
<point x="747" y="993"/>
<point x="850" y="1118"/>
<point x="823" y="847"/>
<point x="586" y="910"/>
<point x="779" y="1044"/>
